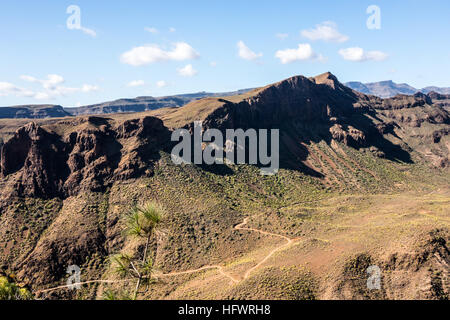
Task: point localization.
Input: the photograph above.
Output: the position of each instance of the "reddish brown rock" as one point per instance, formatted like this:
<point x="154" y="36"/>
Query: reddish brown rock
<point x="46" y="164"/>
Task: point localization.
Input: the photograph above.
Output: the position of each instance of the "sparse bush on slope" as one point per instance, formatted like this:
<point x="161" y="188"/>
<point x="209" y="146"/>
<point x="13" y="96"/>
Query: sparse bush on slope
<point x="11" y="291"/>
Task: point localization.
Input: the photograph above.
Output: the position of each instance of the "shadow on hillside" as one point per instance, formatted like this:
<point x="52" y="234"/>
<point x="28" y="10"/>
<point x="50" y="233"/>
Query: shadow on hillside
<point x="296" y="138"/>
<point x="217" y="169"/>
<point x="307" y="134"/>
<point x="374" y="138"/>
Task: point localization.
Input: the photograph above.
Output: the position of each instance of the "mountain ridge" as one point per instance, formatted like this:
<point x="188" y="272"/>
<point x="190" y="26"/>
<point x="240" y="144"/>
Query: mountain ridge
<point x="33" y="112"/>
<point x="336" y="112"/>
<point x="350" y="164"/>
<point x="138" y="104"/>
<point x="382" y="89"/>
<point x="389" y="89"/>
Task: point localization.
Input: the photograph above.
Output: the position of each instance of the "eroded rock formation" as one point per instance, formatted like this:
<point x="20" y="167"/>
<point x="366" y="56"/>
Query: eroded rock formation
<point x="90" y="155"/>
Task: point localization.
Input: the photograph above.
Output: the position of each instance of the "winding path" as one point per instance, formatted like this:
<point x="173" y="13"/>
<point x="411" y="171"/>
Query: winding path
<point x="289" y="241"/>
<point x="178" y="273"/>
<point x="220" y="269"/>
<point x="240" y="227"/>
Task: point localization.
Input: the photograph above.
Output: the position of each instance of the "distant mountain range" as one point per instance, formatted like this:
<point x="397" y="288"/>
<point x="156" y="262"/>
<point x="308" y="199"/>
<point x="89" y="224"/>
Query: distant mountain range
<point x="138" y="104"/>
<point x="141" y="104"/>
<point x="388" y="89"/>
<point x="383" y="89"/>
<point x="33" y="112"/>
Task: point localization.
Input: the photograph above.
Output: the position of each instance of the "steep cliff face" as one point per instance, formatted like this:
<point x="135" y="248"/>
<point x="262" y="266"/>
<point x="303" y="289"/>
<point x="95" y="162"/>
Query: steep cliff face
<point x="323" y="108"/>
<point x="350" y="136"/>
<point x="298" y="98"/>
<point x="305" y="109"/>
<point x="38" y="158"/>
<point x="93" y="153"/>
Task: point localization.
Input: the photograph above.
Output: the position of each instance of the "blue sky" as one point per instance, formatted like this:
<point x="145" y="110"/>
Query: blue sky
<point x="136" y="48"/>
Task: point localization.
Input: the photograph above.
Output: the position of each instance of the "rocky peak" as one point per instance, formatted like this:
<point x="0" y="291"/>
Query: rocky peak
<point x="142" y="128"/>
<point x="328" y="79"/>
<point x="300" y="98"/>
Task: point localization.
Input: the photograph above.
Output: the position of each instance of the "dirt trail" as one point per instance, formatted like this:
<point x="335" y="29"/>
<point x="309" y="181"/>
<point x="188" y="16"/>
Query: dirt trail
<point x="240" y="227"/>
<point x="220" y="269"/>
<point x="289" y="241"/>
<point x="80" y="284"/>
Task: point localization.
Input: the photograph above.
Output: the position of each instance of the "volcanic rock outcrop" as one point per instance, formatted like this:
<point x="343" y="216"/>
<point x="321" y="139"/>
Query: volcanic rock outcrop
<point x="91" y="154"/>
<point x="300" y="98"/>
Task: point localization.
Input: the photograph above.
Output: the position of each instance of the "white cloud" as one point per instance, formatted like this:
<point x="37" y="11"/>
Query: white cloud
<point x="50" y="83"/>
<point x="358" y="55"/>
<point x="28" y="78"/>
<point x="51" y="88"/>
<point x="136" y="83"/>
<point x="213" y="64"/>
<point x="63" y="91"/>
<point x="144" y="55"/>
<point x="161" y="84"/>
<point x="282" y="36"/>
<point x="89" y="88"/>
<point x="246" y="53"/>
<point x="152" y="30"/>
<point x="42" y="96"/>
<point x="6" y="87"/>
<point x="393" y="70"/>
<point x="187" y="71"/>
<point x="326" y="31"/>
<point x="172" y="29"/>
<point x="303" y="52"/>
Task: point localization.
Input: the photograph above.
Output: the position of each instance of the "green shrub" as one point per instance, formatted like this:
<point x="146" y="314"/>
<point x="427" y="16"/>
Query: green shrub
<point x="10" y="291"/>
